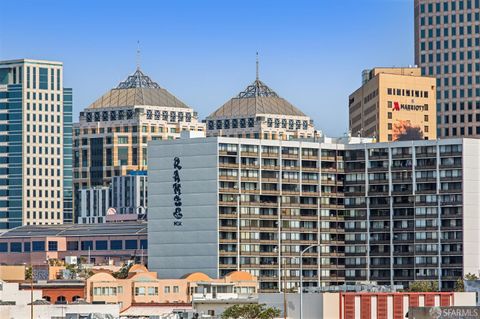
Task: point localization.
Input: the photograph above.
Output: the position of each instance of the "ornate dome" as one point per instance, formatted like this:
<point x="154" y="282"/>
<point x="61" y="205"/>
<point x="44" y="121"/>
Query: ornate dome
<point x="138" y="89"/>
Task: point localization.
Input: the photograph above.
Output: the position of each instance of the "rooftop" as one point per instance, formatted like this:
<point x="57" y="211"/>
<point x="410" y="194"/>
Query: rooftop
<point x="137" y="90"/>
<point x="86" y="230"/>
<point x="256" y="99"/>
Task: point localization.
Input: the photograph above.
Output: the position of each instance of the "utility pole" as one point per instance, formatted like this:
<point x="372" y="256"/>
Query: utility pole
<point x="284" y="289"/>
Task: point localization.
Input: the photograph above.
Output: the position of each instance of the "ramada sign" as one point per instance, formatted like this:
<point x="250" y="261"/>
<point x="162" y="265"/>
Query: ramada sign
<point x="408" y="107"/>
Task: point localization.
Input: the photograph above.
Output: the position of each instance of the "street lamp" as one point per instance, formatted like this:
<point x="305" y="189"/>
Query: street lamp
<point x="301" y="276"/>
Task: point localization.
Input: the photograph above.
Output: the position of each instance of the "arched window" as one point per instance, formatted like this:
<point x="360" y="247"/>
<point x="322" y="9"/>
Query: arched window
<point x="47" y="298"/>
<point x="75" y="298"/>
<point x="61" y="299"/>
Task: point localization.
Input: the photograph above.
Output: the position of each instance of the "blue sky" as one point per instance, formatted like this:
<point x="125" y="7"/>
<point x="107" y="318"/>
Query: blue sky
<point x="311" y="52"/>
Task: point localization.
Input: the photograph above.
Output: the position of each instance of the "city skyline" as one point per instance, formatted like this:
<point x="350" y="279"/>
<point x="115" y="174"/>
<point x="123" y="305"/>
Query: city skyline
<point x="208" y="51"/>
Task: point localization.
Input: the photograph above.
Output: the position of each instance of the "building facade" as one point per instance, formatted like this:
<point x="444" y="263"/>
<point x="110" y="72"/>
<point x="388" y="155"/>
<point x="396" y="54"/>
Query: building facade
<point x="447" y="47"/>
<point x="394" y="104"/>
<point x="94" y="202"/>
<point x="111" y="137"/>
<point x="98" y="244"/>
<point x="391" y="213"/>
<point x="129" y="193"/>
<point x="36" y="139"/>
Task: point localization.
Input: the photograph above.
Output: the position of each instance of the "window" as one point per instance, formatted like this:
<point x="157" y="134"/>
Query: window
<point x="72" y="245"/>
<point x="101" y="245"/>
<point x="16" y="247"/>
<point x="153" y="291"/>
<point x="43" y="78"/>
<point x="4" y="247"/>
<point x="166" y="289"/>
<point x="116" y="245"/>
<point x="123" y="140"/>
<point x="87" y="245"/>
<point x="131" y="244"/>
<point x="26" y="247"/>
<point x="143" y="244"/>
<point x="38" y="246"/>
<point x="52" y="245"/>
<point x="139" y="291"/>
<point x="390" y="115"/>
<point x="425" y="118"/>
<point x="175" y="289"/>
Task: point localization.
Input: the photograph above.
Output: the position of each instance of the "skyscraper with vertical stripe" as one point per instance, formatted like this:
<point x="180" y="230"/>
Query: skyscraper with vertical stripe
<point x="447" y="46"/>
<point x="35" y="144"/>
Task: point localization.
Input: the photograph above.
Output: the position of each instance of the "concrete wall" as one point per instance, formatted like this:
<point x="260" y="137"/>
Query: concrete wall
<point x="59" y="311"/>
<point x="177" y="250"/>
<point x="12" y="273"/>
<point x="471" y="206"/>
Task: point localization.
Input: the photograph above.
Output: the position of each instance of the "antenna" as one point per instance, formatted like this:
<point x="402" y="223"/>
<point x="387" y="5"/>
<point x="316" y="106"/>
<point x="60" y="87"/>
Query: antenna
<point x="138" y="54"/>
<point x="257" y="66"/>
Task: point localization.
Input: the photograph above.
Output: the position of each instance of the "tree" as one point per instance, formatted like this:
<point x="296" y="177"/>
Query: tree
<point x="460" y="284"/>
<point x="28" y="273"/>
<point x="423" y="286"/>
<point x="123" y="272"/>
<point x="250" y="311"/>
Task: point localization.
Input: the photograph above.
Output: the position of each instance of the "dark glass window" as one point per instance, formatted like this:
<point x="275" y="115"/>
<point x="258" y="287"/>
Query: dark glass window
<point x="131" y="244"/>
<point x="101" y="245"/>
<point x="52" y="245"/>
<point x="116" y="244"/>
<point x="16" y="247"/>
<point x="38" y="246"/>
<point x="87" y="244"/>
<point x="26" y="247"/>
<point x="72" y="245"/>
<point x="3" y="247"/>
<point x="143" y="244"/>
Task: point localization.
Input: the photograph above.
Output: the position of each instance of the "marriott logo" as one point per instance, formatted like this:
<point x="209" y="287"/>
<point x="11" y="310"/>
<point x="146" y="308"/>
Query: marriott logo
<point x="409" y="107"/>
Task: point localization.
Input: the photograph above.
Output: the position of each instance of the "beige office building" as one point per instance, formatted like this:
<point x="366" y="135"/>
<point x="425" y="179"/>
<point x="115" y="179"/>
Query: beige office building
<point x="394" y="104"/>
<point x="111" y="137"/>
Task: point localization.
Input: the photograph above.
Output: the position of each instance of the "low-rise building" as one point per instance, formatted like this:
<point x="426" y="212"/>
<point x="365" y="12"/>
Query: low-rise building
<point x="144" y="287"/>
<point x="18" y="303"/>
<point x="108" y="243"/>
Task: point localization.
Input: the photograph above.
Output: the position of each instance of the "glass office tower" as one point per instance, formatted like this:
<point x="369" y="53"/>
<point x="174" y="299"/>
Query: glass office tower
<point x="447" y="46"/>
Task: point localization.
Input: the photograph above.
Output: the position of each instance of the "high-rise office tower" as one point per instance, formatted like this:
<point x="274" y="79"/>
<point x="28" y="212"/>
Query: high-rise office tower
<point x="394" y="104"/>
<point x="35" y="144"/>
<point x="447" y="46"/>
<point x="112" y="134"/>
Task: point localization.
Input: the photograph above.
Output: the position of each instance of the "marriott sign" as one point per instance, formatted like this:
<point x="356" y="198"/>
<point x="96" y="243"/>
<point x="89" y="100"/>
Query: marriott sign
<point x="409" y="107"/>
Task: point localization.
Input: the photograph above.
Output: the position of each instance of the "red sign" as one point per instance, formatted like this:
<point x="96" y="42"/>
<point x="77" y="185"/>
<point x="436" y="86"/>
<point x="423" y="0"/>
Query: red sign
<point x="396" y="106"/>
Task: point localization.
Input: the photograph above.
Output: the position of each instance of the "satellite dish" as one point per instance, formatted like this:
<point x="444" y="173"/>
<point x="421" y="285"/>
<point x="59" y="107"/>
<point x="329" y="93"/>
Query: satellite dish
<point x="111" y="211"/>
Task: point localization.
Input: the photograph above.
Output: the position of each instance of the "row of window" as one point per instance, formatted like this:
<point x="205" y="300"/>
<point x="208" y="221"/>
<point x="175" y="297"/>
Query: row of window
<point x="43" y="78"/>
<point x="84" y="245"/>
<point x="406" y="92"/>
<point x="129" y="114"/>
<point x="448" y="5"/>
<point x="43" y="96"/>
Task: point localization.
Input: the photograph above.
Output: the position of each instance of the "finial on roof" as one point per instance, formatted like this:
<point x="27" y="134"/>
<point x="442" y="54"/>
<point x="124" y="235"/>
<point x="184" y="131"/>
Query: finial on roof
<point x="257" y="67"/>
<point x="138" y="55"/>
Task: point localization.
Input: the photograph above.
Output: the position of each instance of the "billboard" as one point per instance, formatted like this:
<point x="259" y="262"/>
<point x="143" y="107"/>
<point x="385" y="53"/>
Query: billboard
<point x="444" y="313"/>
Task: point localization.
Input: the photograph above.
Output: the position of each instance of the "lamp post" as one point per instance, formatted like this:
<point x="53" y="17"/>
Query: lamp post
<point x="301" y="276"/>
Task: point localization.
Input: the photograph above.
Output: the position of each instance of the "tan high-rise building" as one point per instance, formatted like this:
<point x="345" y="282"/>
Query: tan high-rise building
<point x="394" y="104"/>
<point x="111" y="137"/>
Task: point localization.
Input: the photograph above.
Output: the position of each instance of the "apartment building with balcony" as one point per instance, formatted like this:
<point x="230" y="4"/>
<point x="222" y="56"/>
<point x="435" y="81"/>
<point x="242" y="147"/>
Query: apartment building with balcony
<point x="392" y="213"/>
